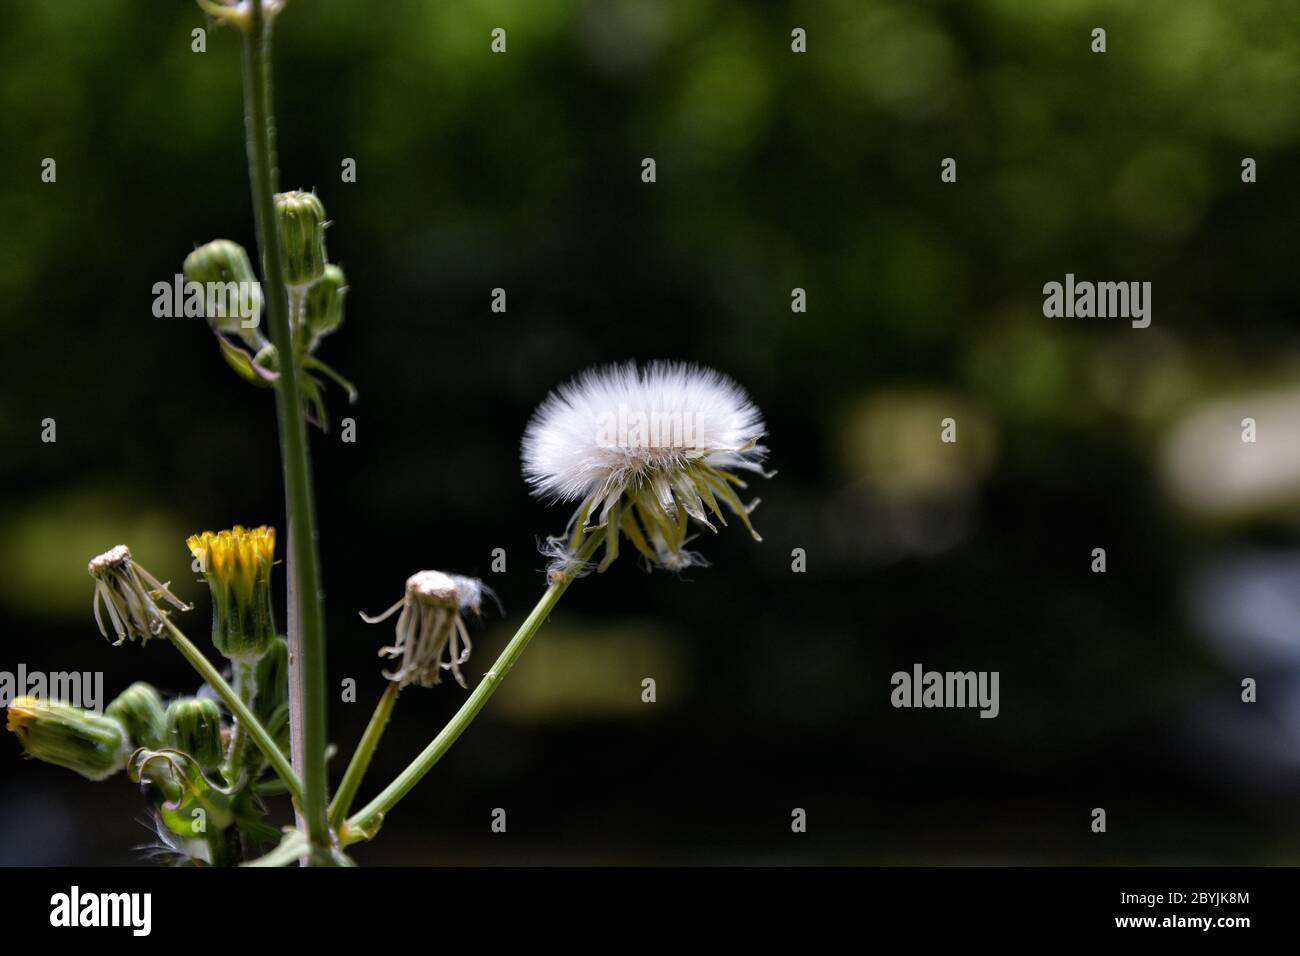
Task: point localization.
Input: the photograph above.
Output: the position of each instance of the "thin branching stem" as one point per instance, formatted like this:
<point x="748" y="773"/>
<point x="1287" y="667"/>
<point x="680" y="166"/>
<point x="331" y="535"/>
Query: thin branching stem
<point x="365" y="822"/>
<point x="365" y="751"/>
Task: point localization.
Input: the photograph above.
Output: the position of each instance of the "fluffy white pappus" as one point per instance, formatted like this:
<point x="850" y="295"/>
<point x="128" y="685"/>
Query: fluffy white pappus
<point x="612" y="426"/>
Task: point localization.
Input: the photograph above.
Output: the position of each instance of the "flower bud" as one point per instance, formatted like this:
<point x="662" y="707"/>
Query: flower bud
<point x="237" y="565"/>
<point x="323" y="305"/>
<point x="139" y="709"/>
<point x="193" y="726"/>
<point x="94" y="746"/>
<point x="300" y="217"/>
<point x="232" y="294"/>
<point x="272" y="679"/>
<point x="218" y="261"/>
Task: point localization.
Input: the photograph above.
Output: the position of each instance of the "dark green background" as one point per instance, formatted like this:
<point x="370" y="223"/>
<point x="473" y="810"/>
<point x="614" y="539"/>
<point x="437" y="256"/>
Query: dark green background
<point x="775" y="170"/>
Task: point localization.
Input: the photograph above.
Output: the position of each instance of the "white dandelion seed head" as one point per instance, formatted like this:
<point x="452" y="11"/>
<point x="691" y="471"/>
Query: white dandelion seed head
<point x="611" y="426"/>
<point x="646" y="450"/>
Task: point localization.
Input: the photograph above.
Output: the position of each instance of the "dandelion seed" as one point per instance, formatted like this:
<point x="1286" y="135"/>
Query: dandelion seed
<point x="644" y="451"/>
<point x="430" y="624"/>
<point x="131" y="594"/>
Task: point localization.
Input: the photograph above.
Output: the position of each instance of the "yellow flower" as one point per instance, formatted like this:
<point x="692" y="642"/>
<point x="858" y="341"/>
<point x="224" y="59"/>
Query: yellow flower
<point x="237" y="565"/>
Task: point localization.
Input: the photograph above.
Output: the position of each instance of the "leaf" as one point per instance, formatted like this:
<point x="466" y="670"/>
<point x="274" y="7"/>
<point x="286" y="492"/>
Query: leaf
<point x="243" y="364"/>
<point x="184" y="790"/>
<point x="313" y="403"/>
<point x="315" y="364"/>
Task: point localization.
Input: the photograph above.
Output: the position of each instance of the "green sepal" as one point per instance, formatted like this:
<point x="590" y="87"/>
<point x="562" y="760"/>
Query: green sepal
<point x="182" y="789"/>
<point x="243" y="364"/>
<point x="314" y="411"/>
<point x="311" y="363"/>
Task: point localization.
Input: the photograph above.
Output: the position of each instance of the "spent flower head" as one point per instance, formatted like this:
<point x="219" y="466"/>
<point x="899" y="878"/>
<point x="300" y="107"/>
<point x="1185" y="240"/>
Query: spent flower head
<point x="430" y="624"/>
<point x="131" y="595"/>
<point x="237" y="565"/>
<point x="643" y="451"/>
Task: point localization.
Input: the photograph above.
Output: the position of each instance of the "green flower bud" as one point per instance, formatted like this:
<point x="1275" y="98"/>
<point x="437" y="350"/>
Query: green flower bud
<point x="301" y="220"/>
<point x="237" y="565"/>
<point x="272" y="680"/>
<point x="94" y="746"/>
<point x="193" y="726"/>
<point x="139" y="708"/>
<point x="232" y="294"/>
<point x="322" y="308"/>
<point x="218" y="261"/>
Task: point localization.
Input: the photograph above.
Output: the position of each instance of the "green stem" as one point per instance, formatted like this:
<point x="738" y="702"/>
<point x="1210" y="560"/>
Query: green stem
<point x="306" y="625"/>
<point x="213" y="677"/>
<point x="365" y="823"/>
<point x="351" y="782"/>
<point x="245" y="686"/>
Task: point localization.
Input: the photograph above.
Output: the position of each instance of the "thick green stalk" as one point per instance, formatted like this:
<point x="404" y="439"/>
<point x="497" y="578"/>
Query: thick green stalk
<point x="360" y="762"/>
<point x="365" y="822"/>
<point x="279" y="762"/>
<point x="306" y="623"/>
